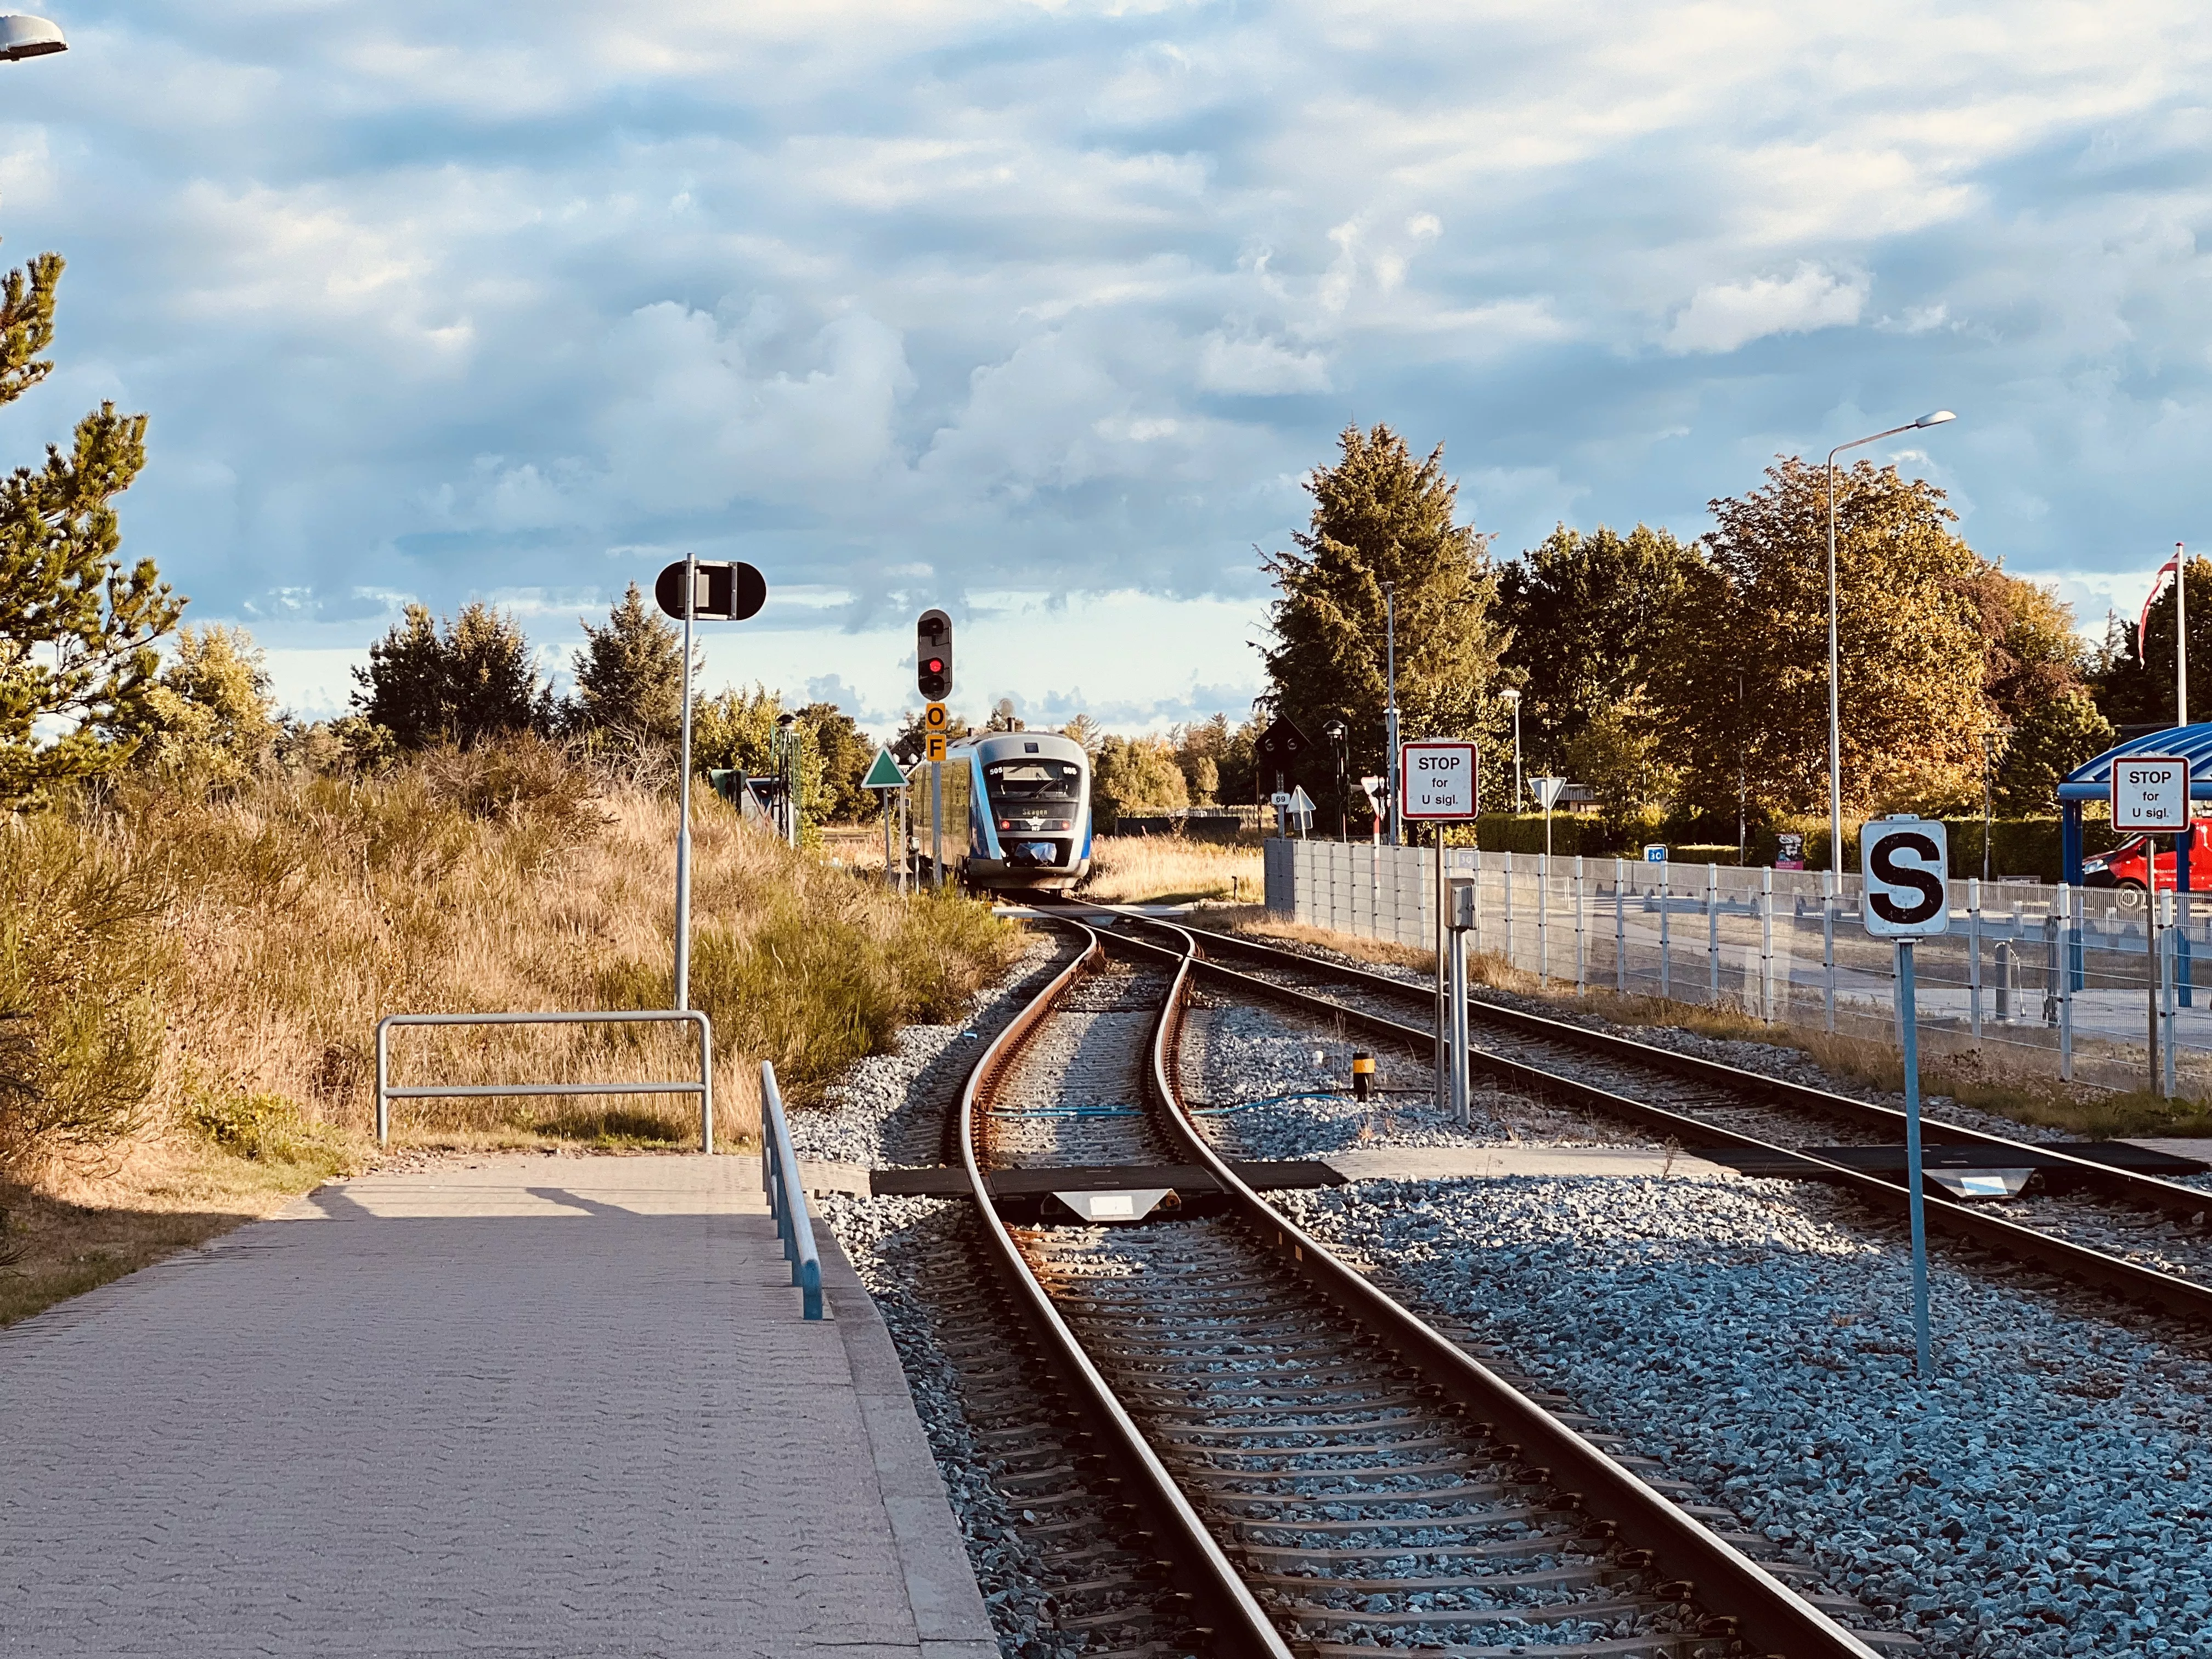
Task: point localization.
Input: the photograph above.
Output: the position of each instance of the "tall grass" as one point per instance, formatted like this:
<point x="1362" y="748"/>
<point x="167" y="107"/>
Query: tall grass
<point x="173" y="962"/>
<point x="1138" y="869"/>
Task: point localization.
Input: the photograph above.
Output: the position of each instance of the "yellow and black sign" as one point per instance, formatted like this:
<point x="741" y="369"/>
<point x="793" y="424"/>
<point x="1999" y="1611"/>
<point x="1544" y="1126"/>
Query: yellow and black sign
<point x="936" y="752"/>
<point x="934" y="719"/>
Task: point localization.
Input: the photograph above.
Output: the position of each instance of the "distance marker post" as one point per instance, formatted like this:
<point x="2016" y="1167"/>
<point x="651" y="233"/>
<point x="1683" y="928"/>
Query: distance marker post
<point x="1908" y="872"/>
<point x="2150" y="797"/>
<point x="1440" y="781"/>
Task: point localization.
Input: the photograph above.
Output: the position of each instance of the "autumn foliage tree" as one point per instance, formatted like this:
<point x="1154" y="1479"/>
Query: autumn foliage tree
<point x="1744" y="687"/>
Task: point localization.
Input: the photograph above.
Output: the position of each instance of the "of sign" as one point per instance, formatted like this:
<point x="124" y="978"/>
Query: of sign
<point x="1907" y="861"/>
<point x="2150" y="793"/>
<point x="1439" y="780"/>
<point x="934" y="719"/>
<point x="935" y="743"/>
<point x="726" y="591"/>
<point x="1282" y="747"/>
<point x="1547" y="790"/>
<point x="884" y="773"/>
<point x="1654" y="853"/>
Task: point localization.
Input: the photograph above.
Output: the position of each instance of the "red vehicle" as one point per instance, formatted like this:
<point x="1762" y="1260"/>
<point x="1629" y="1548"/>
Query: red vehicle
<point x="2124" y="867"/>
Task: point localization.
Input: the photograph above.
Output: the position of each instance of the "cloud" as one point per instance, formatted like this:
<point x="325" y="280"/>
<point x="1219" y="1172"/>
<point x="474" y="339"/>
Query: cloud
<point x="912" y="302"/>
<point x="1726" y="315"/>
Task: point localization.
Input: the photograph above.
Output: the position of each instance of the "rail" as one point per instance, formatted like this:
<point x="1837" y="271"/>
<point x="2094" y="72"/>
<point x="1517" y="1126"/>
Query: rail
<point x="786" y="1195"/>
<point x="386" y="1092"/>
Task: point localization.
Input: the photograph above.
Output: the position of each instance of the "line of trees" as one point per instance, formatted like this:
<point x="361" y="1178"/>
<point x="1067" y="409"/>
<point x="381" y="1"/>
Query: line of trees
<point x="1689" y="678"/>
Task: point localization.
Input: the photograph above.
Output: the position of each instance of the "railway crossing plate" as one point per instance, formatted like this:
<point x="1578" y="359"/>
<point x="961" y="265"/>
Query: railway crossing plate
<point x="1439" y="780"/>
<point x="1908" y="864"/>
<point x="2150" y="793"/>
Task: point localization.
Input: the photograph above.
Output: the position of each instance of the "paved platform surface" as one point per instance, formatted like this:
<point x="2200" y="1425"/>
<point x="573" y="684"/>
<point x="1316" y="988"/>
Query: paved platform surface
<point x="532" y="1407"/>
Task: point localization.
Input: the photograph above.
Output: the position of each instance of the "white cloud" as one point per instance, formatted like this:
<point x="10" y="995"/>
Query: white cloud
<point x="1725" y="315"/>
<point x="1259" y="368"/>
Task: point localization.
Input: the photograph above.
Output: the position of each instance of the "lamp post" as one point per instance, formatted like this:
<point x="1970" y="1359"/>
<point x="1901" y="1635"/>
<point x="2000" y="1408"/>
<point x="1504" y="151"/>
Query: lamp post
<point x="22" y="37"/>
<point x="1933" y="417"/>
<point x="1390" y="699"/>
<point x="1335" y="729"/>
<point x="1511" y="697"/>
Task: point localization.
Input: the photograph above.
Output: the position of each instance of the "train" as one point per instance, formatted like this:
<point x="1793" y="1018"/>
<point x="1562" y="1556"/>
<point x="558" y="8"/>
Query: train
<point x="1026" y="799"/>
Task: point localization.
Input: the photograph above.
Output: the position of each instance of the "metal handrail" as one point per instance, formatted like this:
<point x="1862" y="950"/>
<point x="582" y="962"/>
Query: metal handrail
<point x="786" y="1195"/>
<point x="704" y="1088"/>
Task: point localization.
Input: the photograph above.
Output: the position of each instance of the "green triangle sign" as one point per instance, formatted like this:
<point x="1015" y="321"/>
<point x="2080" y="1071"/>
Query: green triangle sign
<point x="884" y="773"/>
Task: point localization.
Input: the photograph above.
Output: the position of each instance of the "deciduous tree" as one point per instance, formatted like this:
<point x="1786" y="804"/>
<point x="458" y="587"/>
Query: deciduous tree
<point x="209" y="717"/>
<point x="1136" y="775"/>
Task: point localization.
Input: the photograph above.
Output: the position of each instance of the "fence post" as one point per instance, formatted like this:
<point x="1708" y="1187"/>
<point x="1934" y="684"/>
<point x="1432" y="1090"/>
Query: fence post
<point x="1510" y="941"/>
<point x="1666" y="963"/>
<point x="1476" y="868"/>
<point x="1713" y="933"/>
<point x="2166" y="954"/>
<point x="1544" y="921"/>
<point x="1582" y="983"/>
<point x="1766" y="941"/>
<point x="1828" y="885"/>
<point x="1620" y="925"/>
<point x="1974" y="957"/>
<point x="2062" y="960"/>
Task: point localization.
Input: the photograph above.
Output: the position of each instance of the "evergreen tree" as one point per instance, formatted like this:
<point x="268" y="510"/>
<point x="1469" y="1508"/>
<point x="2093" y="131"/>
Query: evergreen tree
<point x="2135" y="684"/>
<point x="2049" y="741"/>
<point x="477" y="679"/>
<point x="1588" y="614"/>
<point x="630" y="675"/>
<point x="1379" y="517"/>
<point x="77" y="631"/>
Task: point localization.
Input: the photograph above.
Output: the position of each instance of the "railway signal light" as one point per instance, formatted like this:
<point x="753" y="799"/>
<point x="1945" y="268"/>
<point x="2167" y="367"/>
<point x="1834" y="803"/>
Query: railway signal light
<point x="933" y="656"/>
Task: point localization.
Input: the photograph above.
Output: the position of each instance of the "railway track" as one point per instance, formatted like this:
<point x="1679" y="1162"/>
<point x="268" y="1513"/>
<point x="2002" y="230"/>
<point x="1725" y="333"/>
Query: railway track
<point x="1312" y="1469"/>
<point x="1703" y="1104"/>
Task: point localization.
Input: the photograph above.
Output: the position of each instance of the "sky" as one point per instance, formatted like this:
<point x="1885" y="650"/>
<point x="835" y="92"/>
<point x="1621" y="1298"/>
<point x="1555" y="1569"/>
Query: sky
<point x="1040" y="311"/>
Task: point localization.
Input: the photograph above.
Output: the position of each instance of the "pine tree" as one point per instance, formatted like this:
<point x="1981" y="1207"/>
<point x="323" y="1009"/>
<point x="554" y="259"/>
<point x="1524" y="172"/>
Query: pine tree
<point x="630" y="675"/>
<point x="475" y="680"/>
<point x="77" y="630"/>
<point x="1379" y="517"/>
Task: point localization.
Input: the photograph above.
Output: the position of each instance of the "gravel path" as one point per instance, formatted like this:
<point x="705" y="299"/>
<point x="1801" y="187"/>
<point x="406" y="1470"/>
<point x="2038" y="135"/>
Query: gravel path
<point x="2049" y="1493"/>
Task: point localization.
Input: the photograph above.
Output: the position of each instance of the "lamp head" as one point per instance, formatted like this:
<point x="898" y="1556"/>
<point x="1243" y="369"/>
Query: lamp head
<point x="1936" y="417"/>
<point x="22" y="37"/>
<point x="1510" y="696"/>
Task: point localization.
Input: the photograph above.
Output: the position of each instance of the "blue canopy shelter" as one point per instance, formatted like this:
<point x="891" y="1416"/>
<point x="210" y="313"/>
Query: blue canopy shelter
<point x="2093" y="780"/>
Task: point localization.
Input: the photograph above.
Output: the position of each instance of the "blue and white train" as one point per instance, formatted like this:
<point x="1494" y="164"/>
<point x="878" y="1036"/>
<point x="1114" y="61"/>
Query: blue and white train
<point x="1026" y="796"/>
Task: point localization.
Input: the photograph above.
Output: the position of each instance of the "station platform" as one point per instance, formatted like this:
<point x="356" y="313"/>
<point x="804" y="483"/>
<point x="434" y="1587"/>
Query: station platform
<point x="519" y="1406"/>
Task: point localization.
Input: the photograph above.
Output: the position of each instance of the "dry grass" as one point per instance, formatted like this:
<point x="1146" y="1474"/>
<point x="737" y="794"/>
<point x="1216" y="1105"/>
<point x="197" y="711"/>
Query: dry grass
<point x="1254" y="920"/>
<point x="195" y="991"/>
<point x="1170" y="870"/>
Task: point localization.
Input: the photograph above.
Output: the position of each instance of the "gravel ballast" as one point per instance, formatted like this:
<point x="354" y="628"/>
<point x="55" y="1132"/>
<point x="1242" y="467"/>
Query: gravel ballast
<point x="2050" y="1492"/>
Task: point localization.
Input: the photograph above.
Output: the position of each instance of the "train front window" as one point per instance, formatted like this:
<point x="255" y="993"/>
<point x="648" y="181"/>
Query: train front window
<point x="1032" y="783"/>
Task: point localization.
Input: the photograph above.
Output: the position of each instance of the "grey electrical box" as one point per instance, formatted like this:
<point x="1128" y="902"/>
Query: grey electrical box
<point x="1459" y="903"/>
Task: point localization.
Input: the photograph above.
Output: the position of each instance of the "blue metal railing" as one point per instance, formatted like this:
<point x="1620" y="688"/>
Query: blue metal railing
<point x="786" y="1195"/>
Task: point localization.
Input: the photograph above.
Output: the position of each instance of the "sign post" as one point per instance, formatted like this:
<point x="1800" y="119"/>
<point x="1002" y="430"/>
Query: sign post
<point x="714" y="590"/>
<point x="2150" y="796"/>
<point x="1908" y="869"/>
<point x="1441" y="780"/>
<point x="1547" y="794"/>
<point x="886" y="779"/>
<point x="933" y="677"/>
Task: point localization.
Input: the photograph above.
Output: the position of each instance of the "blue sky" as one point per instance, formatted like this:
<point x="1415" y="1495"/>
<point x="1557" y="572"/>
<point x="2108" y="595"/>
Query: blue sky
<point x="1040" y="311"/>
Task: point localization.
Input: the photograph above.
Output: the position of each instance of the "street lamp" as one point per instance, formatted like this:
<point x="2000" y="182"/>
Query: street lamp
<point x="22" y="37"/>
<point x="1335" y="728"/>
<point x="1511" y="697"/>
<point x="1933" y="417"/>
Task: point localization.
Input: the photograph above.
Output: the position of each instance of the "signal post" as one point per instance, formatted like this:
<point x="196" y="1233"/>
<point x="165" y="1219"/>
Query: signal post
<point x="1440" y="781"/>
<point x="933" y="677"/>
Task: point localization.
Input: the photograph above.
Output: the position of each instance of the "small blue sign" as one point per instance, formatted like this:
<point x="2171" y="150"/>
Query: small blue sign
<point x="1655" y="853"/>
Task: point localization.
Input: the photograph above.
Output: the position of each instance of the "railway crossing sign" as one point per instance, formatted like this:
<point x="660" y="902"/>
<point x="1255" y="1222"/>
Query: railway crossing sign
<point x="724" y="590"/>
<point x="1440" y="781"/>
<point x="884" y="773"/>
<point x="2150" y="793"/>
<point x="1908" y="862"/>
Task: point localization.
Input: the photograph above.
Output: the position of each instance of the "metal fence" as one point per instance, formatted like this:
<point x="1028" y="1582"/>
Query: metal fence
<point x="786" y="1195"/>
<point x="386" y="1091"/>
<point x="2060" y="979"/>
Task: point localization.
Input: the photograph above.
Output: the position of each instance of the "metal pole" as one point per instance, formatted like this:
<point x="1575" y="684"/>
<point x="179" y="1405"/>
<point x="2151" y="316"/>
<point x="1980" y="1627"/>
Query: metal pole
<point x="683" y="798"/>
<point x="2167" y="976"/>
<point x="2150" y="951"/>
<point x="1835" y="698"/>
<point x="1621" y="926"/>
<point x="1908" y="1026"/>
<point x="1582" y="982"/>
<point x="1544" y="921"/>
<point x="1766" y="942"/>
<point x="706" y="1087"/>
<point x="2065" y="965"/>
<point x="887" y="836"/>
<point x="1461" y="1095"/>
<point x="936" y="825"/>
<point x="1390" y="707"/>
<point x="1713" y="932"/>
<point x="1974" y="957"/>
<point x="2180" y="643"/>
<point x="1516" y="757"/>
<point x="1444" y="987"/>
<point x="1830" y="881"/>
<point x="1666" y="985"/>
<point x="383" y="1081"/>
